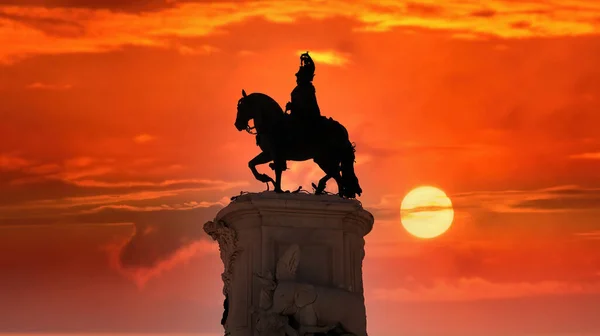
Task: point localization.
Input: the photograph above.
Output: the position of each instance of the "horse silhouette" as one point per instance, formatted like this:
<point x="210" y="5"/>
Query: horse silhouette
<point x="282" y="139"/>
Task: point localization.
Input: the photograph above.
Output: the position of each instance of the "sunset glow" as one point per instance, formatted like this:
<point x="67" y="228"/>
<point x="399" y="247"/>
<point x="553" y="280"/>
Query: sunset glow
<point x="117" y="142"/>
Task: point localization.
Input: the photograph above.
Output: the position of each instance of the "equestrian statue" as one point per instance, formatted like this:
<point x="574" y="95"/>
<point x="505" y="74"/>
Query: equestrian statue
<point x="301" y="135"/>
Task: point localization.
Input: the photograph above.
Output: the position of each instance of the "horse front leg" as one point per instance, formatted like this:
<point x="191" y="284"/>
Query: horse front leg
<point x="278" y="166"/>
<point x="261" y="158"/>
<point x="330" y="168"/>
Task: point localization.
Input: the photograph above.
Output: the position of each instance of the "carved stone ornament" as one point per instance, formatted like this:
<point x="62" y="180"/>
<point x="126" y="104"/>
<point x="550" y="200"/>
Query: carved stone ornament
<point x="316" y="310"/>
<point x="272" y="324"/>
<point x="226" y="236"/>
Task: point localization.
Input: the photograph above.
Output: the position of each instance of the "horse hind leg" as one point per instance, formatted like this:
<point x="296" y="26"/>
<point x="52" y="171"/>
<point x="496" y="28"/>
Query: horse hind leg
<point x="349" y="179"/>
<point x="332" y="170"/>
<point x="338" y="179"/>
<point x="319" y="189"/>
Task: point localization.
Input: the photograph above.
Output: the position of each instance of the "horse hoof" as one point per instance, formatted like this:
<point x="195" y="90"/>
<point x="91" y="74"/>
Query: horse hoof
<point x="350" y="195"/>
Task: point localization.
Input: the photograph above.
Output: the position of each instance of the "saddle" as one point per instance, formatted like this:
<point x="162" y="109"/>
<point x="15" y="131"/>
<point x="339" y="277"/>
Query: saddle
<point x="309" y="127"/>
<point x="294" y="129"/>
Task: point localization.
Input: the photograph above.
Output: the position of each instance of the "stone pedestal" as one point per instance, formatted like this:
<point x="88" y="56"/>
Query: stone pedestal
<point x="256" y="229"/>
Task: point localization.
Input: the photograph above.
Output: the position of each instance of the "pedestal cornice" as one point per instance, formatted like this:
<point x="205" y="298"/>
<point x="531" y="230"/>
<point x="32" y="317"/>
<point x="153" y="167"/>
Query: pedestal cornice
<point x="265" y="204"/>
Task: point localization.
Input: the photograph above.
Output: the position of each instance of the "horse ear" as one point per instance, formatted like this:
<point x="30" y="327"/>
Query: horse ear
<point x="244" y="93"/>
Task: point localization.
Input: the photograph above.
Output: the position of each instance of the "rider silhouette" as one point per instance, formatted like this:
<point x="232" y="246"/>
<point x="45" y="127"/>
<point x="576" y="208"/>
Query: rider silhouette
<point x="303" y="106"/>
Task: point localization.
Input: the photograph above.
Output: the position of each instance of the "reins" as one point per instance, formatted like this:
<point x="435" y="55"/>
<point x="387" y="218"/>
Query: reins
<point x="249" y="130"/>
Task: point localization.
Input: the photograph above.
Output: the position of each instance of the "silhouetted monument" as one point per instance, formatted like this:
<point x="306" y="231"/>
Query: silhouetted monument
<point x="299" y="136"/>
<point x="293" y="261"/>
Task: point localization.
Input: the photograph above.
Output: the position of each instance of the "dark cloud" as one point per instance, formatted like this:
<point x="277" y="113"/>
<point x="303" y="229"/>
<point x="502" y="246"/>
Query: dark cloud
<point x="50" y="26"/>
<point x="153" y="243"/>
<point x="567" y="198"/>
<point x="161" y="240"/>
<point x="574" y="191"/>
<point x="484" y="13"/>
<point x="164" y="235"/>
<point x="422" y="9"/>
<point x="113" y="213"/>
<point x="131" y="6"/>
<point x="389" y="208"/>
<point x="561" y="203"/>
<point x="489" y="13"/>
<point x="426" y="209"/>
<point x="56" y="189"/>
<point x="158" y="234"/>
<point x="115" y="5"/>
<point x="521" y="25"/>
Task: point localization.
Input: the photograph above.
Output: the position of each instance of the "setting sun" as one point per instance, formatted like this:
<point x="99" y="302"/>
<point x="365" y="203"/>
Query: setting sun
<point x="475" y="144"/>
<point x="426" y="212"/>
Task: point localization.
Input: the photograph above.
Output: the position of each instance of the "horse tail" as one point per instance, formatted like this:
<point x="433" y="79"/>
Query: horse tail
<point x="349" y="179"/>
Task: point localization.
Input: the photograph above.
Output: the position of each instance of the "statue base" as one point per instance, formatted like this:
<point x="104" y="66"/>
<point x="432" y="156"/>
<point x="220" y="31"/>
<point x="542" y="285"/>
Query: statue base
<point x="268" y="239"/>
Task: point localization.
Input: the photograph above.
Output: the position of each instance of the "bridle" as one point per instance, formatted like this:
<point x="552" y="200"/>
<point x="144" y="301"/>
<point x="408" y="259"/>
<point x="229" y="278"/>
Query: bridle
<point x="250" y="129"/>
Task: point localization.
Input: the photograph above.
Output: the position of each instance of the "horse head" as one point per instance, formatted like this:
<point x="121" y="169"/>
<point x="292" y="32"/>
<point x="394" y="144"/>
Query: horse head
<point x="243" y="113"/>
<point x="259" y="107"/>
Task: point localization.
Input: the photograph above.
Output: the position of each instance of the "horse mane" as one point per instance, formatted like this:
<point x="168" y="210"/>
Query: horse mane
<point x="264" y="100"/>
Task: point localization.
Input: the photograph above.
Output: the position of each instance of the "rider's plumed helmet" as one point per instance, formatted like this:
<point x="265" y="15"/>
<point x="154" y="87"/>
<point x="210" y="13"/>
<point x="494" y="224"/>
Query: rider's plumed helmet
<point x="307" y="68"/>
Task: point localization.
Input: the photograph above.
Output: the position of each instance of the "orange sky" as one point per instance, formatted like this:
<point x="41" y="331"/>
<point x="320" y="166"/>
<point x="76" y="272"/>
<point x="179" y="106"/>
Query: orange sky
<point x="117" y="143"/>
